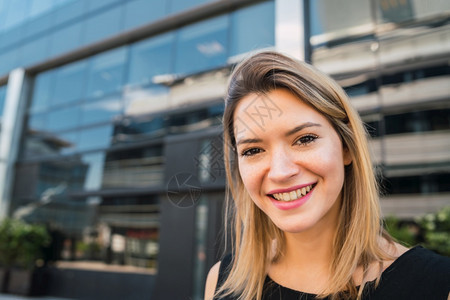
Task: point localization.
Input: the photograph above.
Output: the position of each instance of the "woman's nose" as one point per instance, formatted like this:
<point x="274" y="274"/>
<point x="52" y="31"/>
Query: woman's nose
<point x="282" y="166"/>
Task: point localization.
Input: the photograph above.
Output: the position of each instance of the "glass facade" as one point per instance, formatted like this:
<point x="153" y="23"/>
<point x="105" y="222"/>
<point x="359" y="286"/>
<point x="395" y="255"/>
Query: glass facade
<point x="94" y="154"/>
<point x="396" y="73"/>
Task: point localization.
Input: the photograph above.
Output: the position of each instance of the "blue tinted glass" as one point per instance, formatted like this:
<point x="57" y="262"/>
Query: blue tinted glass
<point x="69" y="82"/>
<point x="95" y="138"/>
<point x="35" y="51"/>
<point x="38" y="24"/>
<point x="63" y="119"/>
<point x="101" y="110"/>
<point x="43" y="86"/>
<point x="16" y="13"/>
<point x="106" y="72"/>
<point x="2" y="99"/>
<point x="103" y="25"/>
<point x="95" y="163"/>
<point x="59" y="41"/>
<point x="202" y="46"/>
<point x="252" y="28"/>
<point x="39" y="7"/>
<point x="96" y="4"/>
<point x="151" y="57"/>
<point x="68" y="142"/>
<point x="180" y="5"/>
<point x="11" y="36"/>
<point x="69" y="11"/>
<point x="140" y="12"/>
<point x="8" y="61"/>
<point x="37" y="122"/>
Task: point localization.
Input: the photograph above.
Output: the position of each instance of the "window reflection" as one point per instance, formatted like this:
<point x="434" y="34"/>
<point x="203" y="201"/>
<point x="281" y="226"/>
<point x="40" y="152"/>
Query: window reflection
<point x="63" y="119"/>
<point x="139" y="12"/>
<point x="202" y="46"/>
<point x="252" y="28"/>
<point x="101" y="110"/>
<point x="140" y="101"/>
<point x="69" y="84"/>
<point x="44" y="144"/>
<point x="42" y="91"/>
<point x="59" y="43"/>
<point x="95" y="162"/>
<point x="106" y="72"/>
<point x="143" y="167"/>
<point x="150" y="57"/>
<point x="138" y="129"/>
<point x="103" y="25"/>
<point x="180" y="5"/>
<point x="95" y="138"/>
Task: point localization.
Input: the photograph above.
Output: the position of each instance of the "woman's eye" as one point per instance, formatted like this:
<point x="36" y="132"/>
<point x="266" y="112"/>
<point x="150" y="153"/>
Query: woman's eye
<point x="251" y="152"/>
<point x="306" y="139"/>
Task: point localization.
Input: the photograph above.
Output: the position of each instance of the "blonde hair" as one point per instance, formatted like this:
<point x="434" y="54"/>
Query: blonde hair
<point x="357" y="241"/>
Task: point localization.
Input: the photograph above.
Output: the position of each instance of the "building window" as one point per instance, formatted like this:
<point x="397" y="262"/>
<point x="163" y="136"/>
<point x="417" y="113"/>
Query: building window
<point x="202" y="46"/>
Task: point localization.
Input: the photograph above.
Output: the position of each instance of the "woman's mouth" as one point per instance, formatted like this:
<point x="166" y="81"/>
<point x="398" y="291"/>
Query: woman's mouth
<point x="293" y="195"/>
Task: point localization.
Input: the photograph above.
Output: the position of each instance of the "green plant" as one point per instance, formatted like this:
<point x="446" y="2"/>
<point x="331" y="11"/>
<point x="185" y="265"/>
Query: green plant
<point x="437" y="231"/>
<point x="21" y="244"/>
<point x="403" y="234"/>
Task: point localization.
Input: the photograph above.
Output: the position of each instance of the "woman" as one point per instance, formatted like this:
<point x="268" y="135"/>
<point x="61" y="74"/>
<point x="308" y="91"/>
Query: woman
<point x="305" y="203"/>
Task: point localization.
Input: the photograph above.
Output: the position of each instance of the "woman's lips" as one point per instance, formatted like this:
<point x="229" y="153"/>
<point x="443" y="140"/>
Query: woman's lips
<point x="293" y="193"/>
<point x="293" y="201"/>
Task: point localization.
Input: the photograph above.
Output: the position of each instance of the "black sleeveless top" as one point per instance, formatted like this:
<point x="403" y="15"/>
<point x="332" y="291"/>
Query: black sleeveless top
<point x="417" y="274"/>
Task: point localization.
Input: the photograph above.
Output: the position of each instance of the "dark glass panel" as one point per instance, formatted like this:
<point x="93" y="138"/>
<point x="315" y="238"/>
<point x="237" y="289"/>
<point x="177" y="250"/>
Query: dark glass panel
<point x="143" y="167"/>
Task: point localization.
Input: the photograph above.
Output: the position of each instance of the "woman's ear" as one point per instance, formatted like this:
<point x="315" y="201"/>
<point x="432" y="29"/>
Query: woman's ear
<point x="347" y="157"/>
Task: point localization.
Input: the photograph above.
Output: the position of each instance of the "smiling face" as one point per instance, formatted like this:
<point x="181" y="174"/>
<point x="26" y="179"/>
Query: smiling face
<point x="291" y="160"/>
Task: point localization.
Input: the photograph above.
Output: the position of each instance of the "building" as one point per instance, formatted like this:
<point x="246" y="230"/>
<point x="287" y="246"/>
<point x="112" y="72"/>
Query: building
<point x="111" y="135"/>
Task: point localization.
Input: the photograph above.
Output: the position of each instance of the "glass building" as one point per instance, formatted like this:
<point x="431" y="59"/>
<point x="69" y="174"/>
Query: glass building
<point x="110" y="122"/>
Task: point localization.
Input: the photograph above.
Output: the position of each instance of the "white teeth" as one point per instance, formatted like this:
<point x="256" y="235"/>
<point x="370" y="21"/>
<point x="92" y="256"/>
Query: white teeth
<point x="294" y="195"/>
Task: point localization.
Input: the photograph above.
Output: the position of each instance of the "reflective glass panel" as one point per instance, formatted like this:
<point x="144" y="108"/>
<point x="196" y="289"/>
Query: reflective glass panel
<point x="37" y="122"/>
<point x="202" y="46"/>
<point x="62" y="119"/>
<point x="252" y="28"/>
<point x="38" y="24"/>
<point x="140" y="12"/>
<point x="59" y="41"/>
<point x="35" y="51"/>
<point x="106" y="72"/>
<point x="141" y="167"/>
<point x="180" y="5"/>
<point x="40" y="143"/>
<point x="101" y="110"/>
<point x="95" y="138"/>
<point x="95" y="162"/>
<point x="43" y="86"/>
<point x="328" y="16"/>
<point x="8" y="61"/>
<point x="140" y="101"/>
<point x="151" y="57"/>
<point x="93" y="5"/>
<point x="69" y="83"/>
<point x="69" y="11"/>
<point x="100" y="26"/>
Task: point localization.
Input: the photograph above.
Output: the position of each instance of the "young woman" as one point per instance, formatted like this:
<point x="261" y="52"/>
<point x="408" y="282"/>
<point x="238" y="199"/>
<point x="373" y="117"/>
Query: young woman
<point x="304" y="199"/>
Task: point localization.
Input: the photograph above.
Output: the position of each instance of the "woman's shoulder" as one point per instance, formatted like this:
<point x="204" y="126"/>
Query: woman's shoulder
<point x="216" y="276"/>
<point x="418" y="273"/>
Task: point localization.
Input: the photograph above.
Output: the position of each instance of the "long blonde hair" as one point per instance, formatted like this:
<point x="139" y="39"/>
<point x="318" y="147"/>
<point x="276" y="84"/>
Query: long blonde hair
<point x="359" y="230"/>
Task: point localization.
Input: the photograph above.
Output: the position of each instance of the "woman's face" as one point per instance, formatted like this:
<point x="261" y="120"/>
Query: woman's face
<point x="291" y="160"/>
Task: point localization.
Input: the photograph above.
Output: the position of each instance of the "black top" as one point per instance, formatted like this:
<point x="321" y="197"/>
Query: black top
<point x="417" y="274"/>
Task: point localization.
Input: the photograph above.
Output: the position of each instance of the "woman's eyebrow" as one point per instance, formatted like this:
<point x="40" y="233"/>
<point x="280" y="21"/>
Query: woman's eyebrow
<point x="248" y="141"/>
<point x="301" y="127"/>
